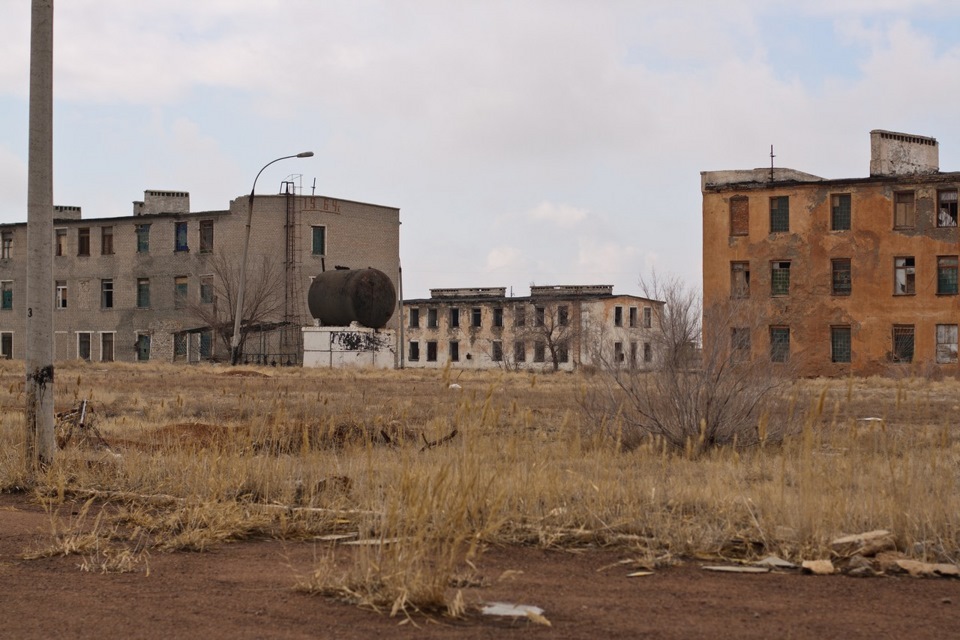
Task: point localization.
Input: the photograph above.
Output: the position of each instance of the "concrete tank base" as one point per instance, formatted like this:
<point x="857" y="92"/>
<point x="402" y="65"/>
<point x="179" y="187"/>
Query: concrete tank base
<point x="345" y="347"/>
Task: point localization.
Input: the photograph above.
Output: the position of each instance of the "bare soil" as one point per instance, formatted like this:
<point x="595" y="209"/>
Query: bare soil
<point x="246" y="590"/>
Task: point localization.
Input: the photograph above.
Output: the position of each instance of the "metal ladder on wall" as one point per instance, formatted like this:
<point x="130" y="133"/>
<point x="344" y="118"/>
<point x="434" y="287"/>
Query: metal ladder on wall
<point x="291" y="336"/>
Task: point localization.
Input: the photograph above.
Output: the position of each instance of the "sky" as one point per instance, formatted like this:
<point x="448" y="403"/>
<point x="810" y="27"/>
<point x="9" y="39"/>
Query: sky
<point x="524" y="141"/>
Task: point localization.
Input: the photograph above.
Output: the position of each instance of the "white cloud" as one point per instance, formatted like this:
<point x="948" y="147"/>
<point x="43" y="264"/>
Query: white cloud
<point x="561" y="215"/>
<point x="504" y="257"/>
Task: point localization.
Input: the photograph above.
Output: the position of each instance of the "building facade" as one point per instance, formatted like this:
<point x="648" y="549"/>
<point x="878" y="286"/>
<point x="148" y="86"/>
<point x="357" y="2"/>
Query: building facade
<point x="161" y="284"/>
<point x="841" y="276"/>
<point x="554" y="328"/>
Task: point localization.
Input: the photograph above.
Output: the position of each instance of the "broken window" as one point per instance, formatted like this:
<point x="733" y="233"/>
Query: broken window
<point x="842" y="281"/>
<point x="647" y="317"/>
<point x="947" y="211"/>
<point x="319" y="241"/>
<point x="180" y="346"/>
<point x="633" y="317"/>
<point x="618" y="356"/>
<point x="432" y="351"/>
<point x="6" y="295"/>
<point x="206" y="289"/>
<point x="60" y="242"/>
<point x="739" y="279"/>
<point x="539" y="351"/>
<point x="840" y="344"/>
<point x="647" y="352"/>
<point x="539" y="315"/>
<point x="414" y="351"/>
<point x="947" y="275"/>
<point x="414" y="318"/>
<point x="6" y="245"/>
<point x="476" y="317"/>
<point x="840" y="212"/>
<point x="739" y="216"/>
<point x="519" y="316"/>
<point x="902" y="343"/>
<point x="904" y="276"/>
<point x="106" y="294"/>
<point x="106" y="241"/>
<point x="181" y="288"/>
<point x="206" y="236"/>
<point x="498" y="317"/>
<point x="780" y="278"/>
<point x="519" y="351"/>
<point x="618" y="316"/>
<point x="83" y="241"/>
<point x="740" y="343"/>
<point x="432" y="318"/>
<point x="779" y="344"/>
<point x="563" y="315"/>
<point x="106" y="346"/>
<point x="143" y="293"/>
<point x="61" y="299"/>
<point x="497" y="351"/>
<point x="83" y="345"/>
<point x="946" y="343"/>
<point x="6" y="345"/>
<point x="143" y="238"/>
<point x="454" y="317"/>
<point x="454" y="351"/>
<point x="779" y="214"/>
<point x="904" y="210"/>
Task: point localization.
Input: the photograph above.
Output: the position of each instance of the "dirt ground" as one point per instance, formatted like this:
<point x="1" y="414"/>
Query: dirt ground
<point x="245" y="590"/>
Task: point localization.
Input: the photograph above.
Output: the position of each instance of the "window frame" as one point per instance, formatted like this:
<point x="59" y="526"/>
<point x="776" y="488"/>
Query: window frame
<point x="142" y="231"/>
<point x="841" y="344"/>
<point x="780" y="278"/>
<point x="840" y="285"/>
<point x="779" y="344"/>
<point x="6" y="295"/>
<point x="181" y="237"/>
<point x="60" y="295"/>
<point x="947" y="218"/>
<point x="947" y="275"/>
<point x="83" y="242"/>
<point x="318" y="231"/>
<point x="206" y="236"/>
<point x="413" y="351"/>
<point x="841" y="217"/>
<point x="904" y="213"/>
<point x="740" y="286"/>
<point x="909" y="275"/>
<point x="106" y="240"/>
<point x="106" y="293"/>
<point x="946" y="352"/>
<point x="143" y="293"/>
<point x="413" y="317"/>
<point x="779" y="214"/>
<point x="900" y="333"/>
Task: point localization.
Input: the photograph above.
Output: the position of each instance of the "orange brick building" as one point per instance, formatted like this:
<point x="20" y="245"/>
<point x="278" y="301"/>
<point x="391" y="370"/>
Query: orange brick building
<point x="836" y="277"/>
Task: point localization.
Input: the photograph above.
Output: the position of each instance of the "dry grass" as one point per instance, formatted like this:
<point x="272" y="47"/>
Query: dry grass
<point x="294" y="454"/>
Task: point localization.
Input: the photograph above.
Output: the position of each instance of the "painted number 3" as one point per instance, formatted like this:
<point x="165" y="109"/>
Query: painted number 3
<point x="29" y="312"/>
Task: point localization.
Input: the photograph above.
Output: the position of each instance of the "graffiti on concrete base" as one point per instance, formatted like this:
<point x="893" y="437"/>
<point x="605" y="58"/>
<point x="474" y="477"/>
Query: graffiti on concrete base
<point x="359" y="341"/>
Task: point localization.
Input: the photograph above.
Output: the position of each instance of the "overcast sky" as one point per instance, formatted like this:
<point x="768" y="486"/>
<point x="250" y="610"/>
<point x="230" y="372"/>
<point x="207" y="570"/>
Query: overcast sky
<point x="524" y="141"/>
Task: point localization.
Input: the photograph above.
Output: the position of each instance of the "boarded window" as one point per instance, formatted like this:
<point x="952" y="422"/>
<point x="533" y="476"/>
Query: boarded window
<point x="842" y="281"/>
<point x="739" y="216"/>
<point x="946" y="343"/>
<point x="840" y="212"/>
<point x="779" y="344"/>
<point x="904" y="211"/>
<point x="740" y="279"/>
<point x="904" y="276"/>
<point x="902" y="343"/>
<point x="779" y="214"/>
<point x="143" y="347"/>
<point x="840" y="344"/>
<point x="947" y="209"/>
<point x="780" y="278"/>
<point x="947" y="275"/>
<point x="206" y="344"/>
<point x="180" y="346"/>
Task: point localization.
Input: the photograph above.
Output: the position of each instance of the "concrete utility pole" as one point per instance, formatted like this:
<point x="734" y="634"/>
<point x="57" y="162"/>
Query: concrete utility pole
<point x="41" y="444"/>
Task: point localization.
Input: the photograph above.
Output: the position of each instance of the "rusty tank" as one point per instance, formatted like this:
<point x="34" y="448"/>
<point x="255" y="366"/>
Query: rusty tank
<point x="366" y="296"/>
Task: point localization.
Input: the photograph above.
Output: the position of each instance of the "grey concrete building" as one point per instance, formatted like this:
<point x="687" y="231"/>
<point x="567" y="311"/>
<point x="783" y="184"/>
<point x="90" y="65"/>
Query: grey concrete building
<point x="555" y="327"/>
<point x="161" y="283"/>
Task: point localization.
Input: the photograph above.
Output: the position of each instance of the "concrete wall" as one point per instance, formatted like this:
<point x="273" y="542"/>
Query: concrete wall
<point x="811" y="306"/>
<point x="354" y="346"/>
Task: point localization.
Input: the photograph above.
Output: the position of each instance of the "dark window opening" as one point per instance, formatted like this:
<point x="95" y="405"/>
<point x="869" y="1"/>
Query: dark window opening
<point x="476" y="317"/>
<point x="431" y="351"/>
<point x="454" y="351"/>
<point x="904" y="276"/>
<point x="432" y="321"/>
<point x="842" y="280"/>
<point x="414" y="351"/>
<point x="454" y="317"/>
<point x="106" y="294"/>
<point x="563" y="315"/>
<point x="414" y="318"/>
<point x="106" y="241"/>
<point x="902" y="343"/>
<point x="779" y="344"/>
<point x="83" y="241"/>
<point x="519" y="351"/>
<point x="497" y="351"/>
<point x="206" y="236"/>
<point x="498" y="317"/>
<point x="740" y="279"/>
<point x="947" y="211"/>
<point x="840" y="212"/>
<point x="180" y="237"/>
<point x="618" y="316"/>
<point x="840" y="350"/>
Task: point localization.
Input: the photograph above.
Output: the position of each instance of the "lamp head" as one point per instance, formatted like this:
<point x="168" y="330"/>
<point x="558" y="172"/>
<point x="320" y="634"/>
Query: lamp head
<point x="305" y="154"/>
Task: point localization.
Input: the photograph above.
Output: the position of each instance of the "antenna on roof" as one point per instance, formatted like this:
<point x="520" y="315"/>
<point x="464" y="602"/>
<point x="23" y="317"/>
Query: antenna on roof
<point x="313" y="189"/>
<point x="771" y="162"/>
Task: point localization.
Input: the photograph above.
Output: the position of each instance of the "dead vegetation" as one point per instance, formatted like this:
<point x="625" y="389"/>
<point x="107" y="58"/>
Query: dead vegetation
<point x="419" y="478"/>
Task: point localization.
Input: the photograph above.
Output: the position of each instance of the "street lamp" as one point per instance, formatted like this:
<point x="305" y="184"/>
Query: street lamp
<point x="235" y="342"/>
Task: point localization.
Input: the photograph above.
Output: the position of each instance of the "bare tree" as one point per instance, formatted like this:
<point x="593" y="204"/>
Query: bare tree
<point x="216" y="306"/>
<point x="553" y="324"/>
<point x="702" y="394"/>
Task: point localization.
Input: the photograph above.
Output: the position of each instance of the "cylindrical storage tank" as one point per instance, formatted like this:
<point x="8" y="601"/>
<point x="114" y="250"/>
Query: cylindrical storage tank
<point x="367" y="296"/>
